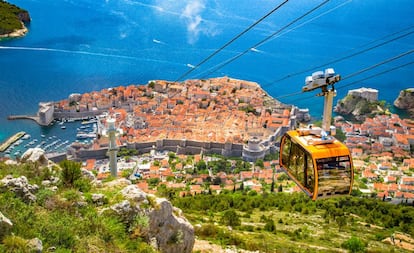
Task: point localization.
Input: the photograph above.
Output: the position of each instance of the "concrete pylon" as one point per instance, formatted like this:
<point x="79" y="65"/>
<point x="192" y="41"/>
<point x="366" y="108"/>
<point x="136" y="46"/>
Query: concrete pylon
<point x="113" y="148"/>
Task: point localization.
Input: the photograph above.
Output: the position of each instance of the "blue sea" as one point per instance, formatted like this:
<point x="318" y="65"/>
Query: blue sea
<point x="76" y="46"/>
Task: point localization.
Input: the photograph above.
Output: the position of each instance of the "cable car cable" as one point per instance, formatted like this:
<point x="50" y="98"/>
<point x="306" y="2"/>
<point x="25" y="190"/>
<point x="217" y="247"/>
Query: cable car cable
<point x="359" y="71"/>
<point x="219" y="66"/>
<point x="378" y="64"/>
<point x="231" y="41"/>
<point x="347" y="56"/>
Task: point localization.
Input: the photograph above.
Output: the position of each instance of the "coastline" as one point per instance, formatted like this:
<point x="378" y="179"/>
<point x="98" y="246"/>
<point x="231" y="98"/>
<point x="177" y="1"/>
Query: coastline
<point x="16" y="33"/>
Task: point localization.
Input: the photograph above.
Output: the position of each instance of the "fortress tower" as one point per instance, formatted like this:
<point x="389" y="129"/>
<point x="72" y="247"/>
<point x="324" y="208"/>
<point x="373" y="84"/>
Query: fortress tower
<point x="113" y="148"/>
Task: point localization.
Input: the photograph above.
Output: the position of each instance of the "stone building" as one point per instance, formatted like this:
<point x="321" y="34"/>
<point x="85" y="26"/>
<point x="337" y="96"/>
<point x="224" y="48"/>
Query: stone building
<point x="45" y="113"/>
<point x="367" y="93"/>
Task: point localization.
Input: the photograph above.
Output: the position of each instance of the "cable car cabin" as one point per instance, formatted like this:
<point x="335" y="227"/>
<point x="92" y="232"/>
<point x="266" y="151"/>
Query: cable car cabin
<point x="322" y="168"/>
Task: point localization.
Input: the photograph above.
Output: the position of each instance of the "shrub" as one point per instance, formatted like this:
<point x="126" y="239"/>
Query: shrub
<point x="230" y="218"/>
<point x="354" y="244"/>
<point x="70" y="172"/>
<point x="14" y="243"/>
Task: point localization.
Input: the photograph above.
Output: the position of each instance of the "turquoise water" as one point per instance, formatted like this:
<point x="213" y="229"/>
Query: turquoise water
<point x="85" y="45"/>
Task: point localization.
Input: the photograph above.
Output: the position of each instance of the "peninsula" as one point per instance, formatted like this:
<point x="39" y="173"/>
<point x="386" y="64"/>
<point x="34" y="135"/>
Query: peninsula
<point x="13" y="20"/>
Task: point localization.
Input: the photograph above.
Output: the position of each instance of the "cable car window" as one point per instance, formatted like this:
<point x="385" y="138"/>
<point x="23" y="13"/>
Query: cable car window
<point x="286" y="152"/>
<point x="297" y="164"/>
<point x="334" y="175"/>
<point x="310" y="174"/>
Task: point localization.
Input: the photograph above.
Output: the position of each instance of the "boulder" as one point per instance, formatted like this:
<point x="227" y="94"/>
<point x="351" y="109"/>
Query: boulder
<point x="125" y="211"/>
<point x="132" y="192"/>
<point x="120" y="182"/>
<point x="168" y="231"/>
<point x="173" y="234"/>
<point x="88" y="174"/>
<point x="35" y="245"/>
<point x="20" y="186"/>
<point x="5" y="225"/>
<point x="34" y="155"/>
<point x="98" y="199"/>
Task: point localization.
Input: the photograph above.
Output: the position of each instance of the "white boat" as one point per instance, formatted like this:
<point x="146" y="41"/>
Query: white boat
<point x="63" y="127"/>
<point x="26" y="137"/>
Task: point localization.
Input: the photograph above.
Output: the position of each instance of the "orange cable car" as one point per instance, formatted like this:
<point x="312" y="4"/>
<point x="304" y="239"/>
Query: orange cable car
<point x="321" y="168"/>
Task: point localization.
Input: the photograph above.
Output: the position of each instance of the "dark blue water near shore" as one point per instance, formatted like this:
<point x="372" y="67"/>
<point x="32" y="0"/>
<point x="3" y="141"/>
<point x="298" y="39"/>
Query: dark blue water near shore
<point x="85" y="45"/>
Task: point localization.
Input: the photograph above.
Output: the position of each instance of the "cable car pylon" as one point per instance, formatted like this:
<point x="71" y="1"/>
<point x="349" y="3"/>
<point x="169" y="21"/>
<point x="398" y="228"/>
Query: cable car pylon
<point x="312" y="157"/>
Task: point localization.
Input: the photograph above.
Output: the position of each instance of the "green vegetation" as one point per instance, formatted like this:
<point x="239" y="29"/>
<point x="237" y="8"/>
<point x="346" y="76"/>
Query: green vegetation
<point x="283" y="222"/>
<point x="268" y="222"/>
<point x="60" y="220"/>
<point x="9" y="17"/>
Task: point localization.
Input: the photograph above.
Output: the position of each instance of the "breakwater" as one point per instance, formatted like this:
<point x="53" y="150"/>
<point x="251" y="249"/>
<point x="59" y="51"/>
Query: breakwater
<point x="11" y="140"/>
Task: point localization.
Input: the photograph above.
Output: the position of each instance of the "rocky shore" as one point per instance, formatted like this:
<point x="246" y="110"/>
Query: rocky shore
<point x="405" y="100"/>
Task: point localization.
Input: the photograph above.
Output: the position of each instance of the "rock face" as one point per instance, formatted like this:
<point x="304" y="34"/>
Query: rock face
<point x="173" y="234"/>
<point x="167" y="230"/>
<point x="20" y="186"/>
<point x="405" y="100"/>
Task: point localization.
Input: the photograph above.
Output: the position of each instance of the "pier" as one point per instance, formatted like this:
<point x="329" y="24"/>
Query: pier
<point x="31" y="117"/>
<point x="11" y="140"/>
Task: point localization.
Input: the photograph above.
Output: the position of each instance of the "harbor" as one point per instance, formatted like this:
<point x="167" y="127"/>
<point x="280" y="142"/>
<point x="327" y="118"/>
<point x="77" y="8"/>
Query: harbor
<point x="53" y="139"/>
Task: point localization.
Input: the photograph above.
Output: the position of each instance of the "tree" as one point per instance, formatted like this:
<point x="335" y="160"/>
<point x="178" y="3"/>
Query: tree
<point x="259" y="163"/>
<point x="270" y="225"/>
<point x="230" y="218"/>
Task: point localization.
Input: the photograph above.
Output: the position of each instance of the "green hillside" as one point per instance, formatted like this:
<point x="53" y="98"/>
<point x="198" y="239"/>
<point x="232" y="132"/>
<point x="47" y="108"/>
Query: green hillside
<point x="284" y="222"/>
<point x="11" y="17"/>
<point x="67" y="220"/>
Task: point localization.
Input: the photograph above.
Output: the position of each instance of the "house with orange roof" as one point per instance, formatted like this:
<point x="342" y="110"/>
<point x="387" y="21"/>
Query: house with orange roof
<point x="246" y="175"/>
<point x="369" y="175"/>
<point x="90" y="164"/>
<point x="390" y="179"/>
<point x="357" y="152"/>
<point x="195" y="189"/>
<point x="380" y="187"/>
<point x="407" y="180"/>
<point x="406" y="188"/>
<point x="404" y="195"/>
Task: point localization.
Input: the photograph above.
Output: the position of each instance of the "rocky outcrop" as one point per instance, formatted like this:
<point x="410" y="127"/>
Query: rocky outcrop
<point x="20" y="186"/>
<point x="405" y="100"/>
<point x="5" y="226"/>
<point x="34" y="155"/>
<point x="166" y="230"/>
<point x="360" y="104"/>
<point x="172" y="234"/>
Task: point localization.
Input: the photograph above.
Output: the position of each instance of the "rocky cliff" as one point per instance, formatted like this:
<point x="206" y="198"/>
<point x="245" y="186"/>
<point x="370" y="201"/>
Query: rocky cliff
<point x="405" y="100"/>
<point x="359" y="106"/>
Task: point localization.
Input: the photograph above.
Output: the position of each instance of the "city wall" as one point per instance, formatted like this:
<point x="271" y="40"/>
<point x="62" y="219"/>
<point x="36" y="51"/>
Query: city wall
<point x="178" y="146"/>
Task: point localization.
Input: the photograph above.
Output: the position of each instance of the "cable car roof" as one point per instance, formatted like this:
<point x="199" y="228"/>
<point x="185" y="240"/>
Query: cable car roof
<point x="317" y="147"/>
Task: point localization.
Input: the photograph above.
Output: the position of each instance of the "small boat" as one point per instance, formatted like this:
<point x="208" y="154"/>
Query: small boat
<point x="63" y="127"/>
<point x="42" y="135"/>
<point x="26" y="137"/>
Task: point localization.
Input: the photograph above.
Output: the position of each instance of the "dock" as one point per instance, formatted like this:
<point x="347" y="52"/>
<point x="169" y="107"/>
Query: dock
<point x="11" y="140"/>
<point x="30" y="117"/>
